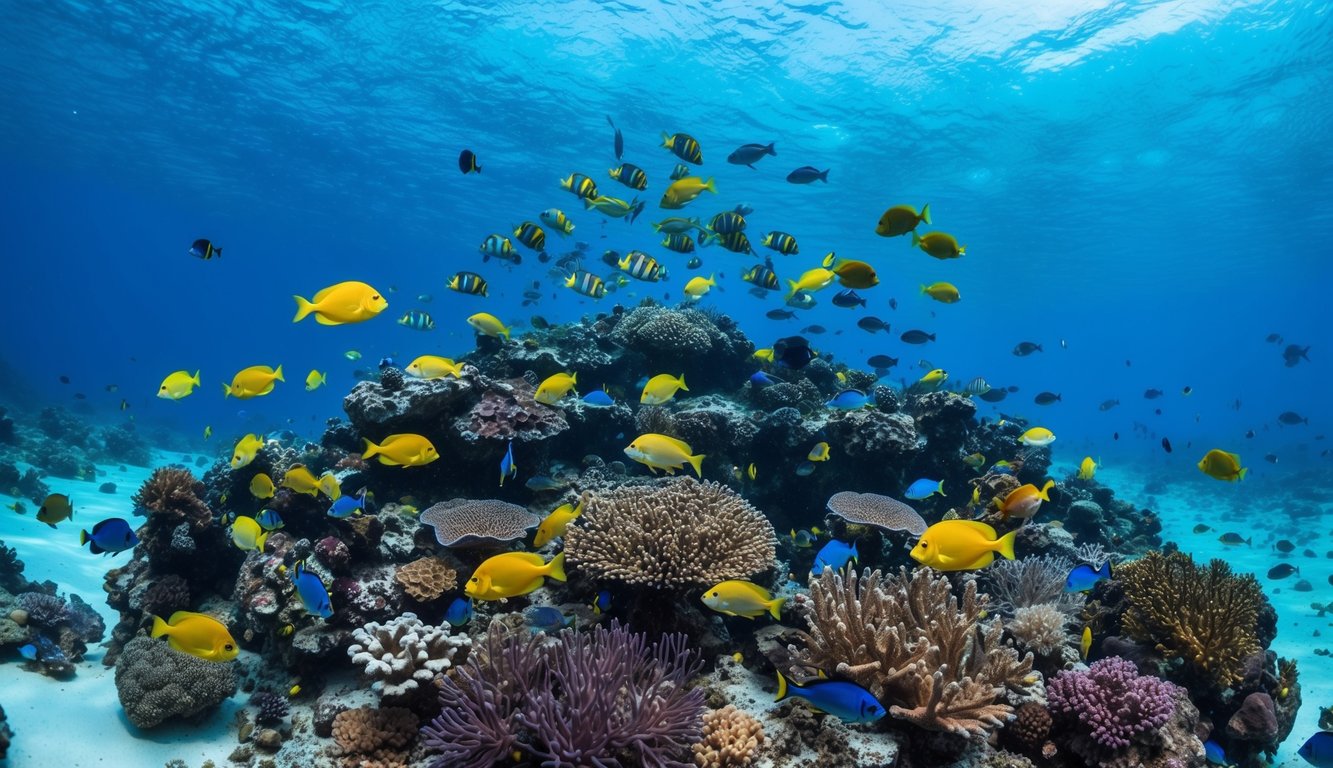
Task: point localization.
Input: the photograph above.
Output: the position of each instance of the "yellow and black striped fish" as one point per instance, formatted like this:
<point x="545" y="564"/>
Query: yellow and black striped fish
<point x="499" y="247"/>
<point x="641" y="265"/>
<point x="469" y="282"/>
<point x="679" y="242"/>
<point x="586" y="283"/>
<point x="761" y="276"/>
<point x="727" y="222"/>
<point x="580" y="185"/>
<point x="684" y="146"/>
<point x="631" y="176"/>
<point x="680" y="171"/>
<point x="417" y="320"/>
<point x="781" y="242"/>
<point x="530" y="235"/>
<point x="736" y="242"/>
<point x="557" y="220"/>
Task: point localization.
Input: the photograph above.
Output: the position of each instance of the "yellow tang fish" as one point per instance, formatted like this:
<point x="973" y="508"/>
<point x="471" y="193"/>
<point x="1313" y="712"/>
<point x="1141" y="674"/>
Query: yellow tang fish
<point x="301" y="480"/>
<point x="488" y="325"/>
<point x="55" y="508"/>
<point x="945" y="293"/>
<point x="554" y="387"/>
<point x="329" y="486"/>
<point x="349" y="302"/>
<point x="1024" y="501"/>
<point x="666" y="453"/>
<point x="1037" y="437"/>
<point x="661" y="388"/>
<point x="962" y="545"/>
<point x="403" y="450"/>
<point x="1222" y="466"/>
<point x="246" y="449"/>
<point x="248" y="535"/>
<point x="197" y="634"/>
<point x="314" y="380"/>
<point x="433" y="367"/>
<point x="934" y="378"/>
<point x="555" y="523"/>
<point x="261" y="486"/>
<point x="1085" y="644"/>
<point x="764" y="355"/>
<point x="177" y="385"/>
<point x="252" y="382"/>
<point x="742" y="598"/>
<point x="512" y="574"/>
<point x="939" y="245"/>
<point x="685" y="190"/>
<point x="698" y="286"/>
<point x="811" y="280"/>
<point x="1087" y="469"/>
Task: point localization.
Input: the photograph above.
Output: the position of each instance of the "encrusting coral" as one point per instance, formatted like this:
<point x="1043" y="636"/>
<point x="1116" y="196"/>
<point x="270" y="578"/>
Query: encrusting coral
<point x="680" y="534"/>
<point x="425" y="579"/>
<point x="375" y="737"/>
<point x="1205" y="615"/>
<point x="404" y="653"/>
<point x="731" y="739"/>
<point x="926" y="655"/>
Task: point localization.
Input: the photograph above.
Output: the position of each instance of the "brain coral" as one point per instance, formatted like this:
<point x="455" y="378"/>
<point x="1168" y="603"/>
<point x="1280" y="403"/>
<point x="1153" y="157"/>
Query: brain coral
<point x="425" y="579"/>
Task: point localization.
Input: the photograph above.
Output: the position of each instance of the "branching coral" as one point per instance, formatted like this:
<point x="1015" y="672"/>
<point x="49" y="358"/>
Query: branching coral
<point x="606" y="698"/>
<point x="1204" y="615"/>
<point x="425" y="579"/>
<point x="1015" y="584"/>
<point x="679" y="534"/>
<point x="404" y="653"/>
<point x="920" y="650"/>
<point x="731" y="739"/>
<point x="175" y="493"/>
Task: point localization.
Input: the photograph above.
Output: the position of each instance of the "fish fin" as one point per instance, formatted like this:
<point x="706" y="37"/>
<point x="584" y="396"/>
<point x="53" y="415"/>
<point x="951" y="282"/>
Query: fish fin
<point x="916" y="239"/>
<point x="824" y="176"/>
<point x="195" y="378"/>
<point x="371" y="449"/>
<point x="303" y="308"/>
<point x="278" y="373"/>
<point x="259" y="541"/>
<point x="925" y="213"/>
<point x="782" y="687"/>
<point x="83" y="538"/>
<point x="1105" y="570"/>
<point x="710" y="186"/>
<point x="1006" y="543"/>
<point x="682" y="383"/>
<point x="1045" y="492"/>
<point x="770" y="150"/>
<point x="775" y="607"/>
<point x="556" y="568"/>
<point x="96" y="550"/>
<point x="160" y="628"/>
<point x="322" y="320"/>
<point x="226" y="390"/>
<point x="923" y="289"/>
<point x="696" y="461"/>
<point x="1243" y="471"/>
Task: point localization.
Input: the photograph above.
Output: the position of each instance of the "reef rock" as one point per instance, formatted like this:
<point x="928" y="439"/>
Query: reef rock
<point x="156" y="683"/>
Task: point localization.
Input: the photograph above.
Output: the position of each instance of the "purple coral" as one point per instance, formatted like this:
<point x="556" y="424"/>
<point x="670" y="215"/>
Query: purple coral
<point x="272" y="707"/>
<point x="1112" y="702"/>
<point x="47" y="611"/>
<point x="604" y="698"/>
<point x="334" y="554"/>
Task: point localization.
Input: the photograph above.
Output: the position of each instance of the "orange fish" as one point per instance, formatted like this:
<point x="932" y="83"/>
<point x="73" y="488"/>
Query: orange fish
<point x="1024" y="501"/>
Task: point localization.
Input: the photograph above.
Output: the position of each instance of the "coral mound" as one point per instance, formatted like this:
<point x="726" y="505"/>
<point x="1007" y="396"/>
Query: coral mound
<point x="731" y="739"/>
<point x="174" y="493"/>
<point x="468" y="522"/>
<point x="404" y="653"/>
<point x="678" y="534"/>
<point x="877" y="510"/>
<point x="425" y="579"/>
<point x="375" y="737"/>
<point x="156" y="683"/>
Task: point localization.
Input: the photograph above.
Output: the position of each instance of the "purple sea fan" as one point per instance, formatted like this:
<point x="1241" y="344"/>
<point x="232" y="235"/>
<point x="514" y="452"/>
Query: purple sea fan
<point x="1111" y="702"/>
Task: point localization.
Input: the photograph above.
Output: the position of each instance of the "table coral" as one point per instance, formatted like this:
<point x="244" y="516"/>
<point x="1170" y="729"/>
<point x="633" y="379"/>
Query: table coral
<point x="402" y="654"/>
<point x="468" y="522"/>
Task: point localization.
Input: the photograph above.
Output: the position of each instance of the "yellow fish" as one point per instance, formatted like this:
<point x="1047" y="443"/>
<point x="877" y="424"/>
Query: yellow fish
<point x="661" y="388"/>
<point x="246" y="450"/>
<point x="349" y="302"/>
<point x="512" y="574"/>
<point x="1024" y="501"/>
<point x="247" y="535"/>
<point x="196" y="634"/>
<point x="901" y="219"/>
<point x="751" y="472"/>
<point x="488" y="325"/>
<point x="55" y="508"/>
<point x="301" y="480"/>
<point x="208" y="431"/>
<point x="554" y="387"/>
<point x="261" y="486"/>
<point x="661" y="452"/>
<point x="329" y="486"/>
<point x="819" y="453"/>
<point x="404" y="450"/>
<point x="698" y="286"/>
<point x="934" y="378"/>
<point x="975" y="460"/>
<point x="811" y="280"/>
<point x="684" y="190"/>
<point x="946" y="293"/>
<point x="962" y="545"/>
<point x="1037" y="437"/>
<point x="314" y="380"/>
<point x="434" y="367"/>
<point x="851" y="273"/>
<point x="1085" y="644"/>
<point x="555" y="524"/>
<point x="1087" y="469"/>
<point x="939" y="244"/>
<point x="252" y="382"/>
<point x="742" y="598"/>
<point x="764" y="355"/>
<point x="177" y="385"/>
<point x="1222" y="466"/>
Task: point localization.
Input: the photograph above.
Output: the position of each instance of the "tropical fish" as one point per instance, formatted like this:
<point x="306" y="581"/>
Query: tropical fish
<point x="467" y="162"/>
<point x="661" y="388"/>
<point x="1292" y="418"/>
<point x="749" y="154"/>
<point x="111" y="536"/>
<point x="924" y="489"/>
<point x="512" y="574"/>
<point x="846" y="701"/>
<point x="314" y="380"/>
<point x="508" y="469"/>
<point x="247" y="534"/>
<point x="553" y="525"/>
<point x="252" y="382"/>
<point x="962" y="545"/>
<point x="554" y="387"/>
<point x="347" y="302"/>
<point x="834" y="554"/>
<point x="1084" y="577"/>
<point x="803" y="538"/>
<point x="197" y="634"/>
<point x="848" y="400"/>
<point x="433" y="367"/>
<point x="615" y="207"/>
<point x="261" y="486"/>
<point x="208" y="431"/>
<point x="204" y="249"/>
<point x="269" y="520"/>
<point x="736" y="242"/>
<point x="666" y="453"/>
<point x="55" y="508"/>
<point x="761" y="276"/>
<point x="459" y="612"/>
<point x="1087" y="469"/>
<point x="939" y="245"/>
<point x="586" y="283"/>
<point x="793" y="352"/>
<point x="177" y="385"/>
<point x="488" y="325"/>
<point x="314" y="596"/>
<point x="329" y="486"/>
<point x="811" y="280"/>
<point x="1221" y="465"/>
<point x="848" y="299"/>
<point x="246" y="449"/>
<point x="1025" y="501"/>
<point x="545" y="618"/>
<point x="642" y="266"/>
<point x="872" y="324"/>
<point x="301" y="480"/>
<point x="346" y="506"/>
<point x="582" y="186"/>
<point x="417" y="320"/>
<point x="1025" y="348"/>
<point x="630" y="175"/>
<point x="915" y="336"/>
<point x="782" y="243"/>
<point x="743" y="598"/>
<point x="470" y="283"/>
<point x="352" y="354"/>
<point x="1037" y="437"/>
<point x="901" y="219"/>
<point x="402" y="450"/>
<point x="602" y="602"/>
<point x="852" y="273"/>
<point x="1282" y="571"/>
<point x="557" y="220"/>
<point x="946" y="293"/>
<point x="808" y="174"/>
<point x="680" y="171"/>
<point x="684" y="146"/>
<point x="932" y="379"/>
<point x="1318" y="750"/>
<point x="698" y="286"/>
<point x="598" y="398"/>
<point x="685" y="190"/>
<point x="1085" y="643"/>
<point x="1234" y="539"/>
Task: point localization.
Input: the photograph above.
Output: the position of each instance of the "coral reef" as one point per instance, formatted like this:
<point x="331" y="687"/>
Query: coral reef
<point x="156" y="683"/>
<point x="468" y="522"/>
<point x="731" y="739"/>
<point x="1030" y="581"/>
<point x="1040" y="628"/>
<point x="402" y="654"/>
<point x="375" y="738"/>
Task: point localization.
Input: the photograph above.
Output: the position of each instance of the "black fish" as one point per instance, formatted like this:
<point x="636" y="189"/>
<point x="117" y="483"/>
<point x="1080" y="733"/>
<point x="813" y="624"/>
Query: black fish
<point x="917" y="337"/>
<point x="1201" y="528"/>
<point x="1166" y="445"/>
<point x="993" y="395"/>
<point x="1292" y="418"/>
<point x="1046" y="398"/>
<point x="792" y="352"/>
<point x="1108" y="405"/>
<point x="1294" y="353"/>
<point x="882" y="361"/>
<point x="893" y="304"/>
<point x="1158" y="411"/>
<point x="1274" y="338"/>
<point x="1284" y="546"/>
<point x="64" y="379"/>
<point x="749" y="154"/>
<point x="848" y="298"/>
<point x="1233" y="538"/>
<point x="1152" y="394"/>
<point x="1249" y="434"/>
<point x="1115" y="436"/>
<point x="620" y="140"/>
<point x="694" y="263"/>
<point x="1025" y="348"/>
<point x="204" y="249"/>
<point x="1271" y="458"/>
<point x="540" y="323"/>
<point x="467" y="162"/>
<point x="1282" y="571"/>
<point x="807" y="174"/>
<point x="872" y="324"/>
<point x="815" y="329"/>
<point x="779" y="314"/>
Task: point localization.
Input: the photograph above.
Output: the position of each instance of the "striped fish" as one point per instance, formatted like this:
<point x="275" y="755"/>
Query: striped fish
<point x="680" y="171"/>
<point x="684" y="146"/>
<point x="977" y="386"/>
<point x="631" y="176"/>
<point x="736" y="242"/>
<point x="587" y="284"/>
<point x="761" y="276"/>
<point x="417" y="320"/>
<point x="500" y="247"/>
<point x="781" y="242"/>
<point x="580" y="185"/>
<point x="642" y="266"/>
<point x="530" y="235"/>
<point x="679" y="242"/>
<point x="727" y="222"/>
<point x="469" y="282"/>
<point x="557" y="220"/>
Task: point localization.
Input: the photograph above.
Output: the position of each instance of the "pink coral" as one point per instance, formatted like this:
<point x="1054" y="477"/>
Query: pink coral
<point x="1112" y="702"/>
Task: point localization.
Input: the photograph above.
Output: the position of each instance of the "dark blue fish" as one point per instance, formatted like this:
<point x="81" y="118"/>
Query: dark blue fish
<point x="620" y="140"/>
<point x="602" y="602"/>
<point x="749" y="154"/>
<point x="346" y="506"/>
<point x="508" y="470"/>
<point x="835" y="554"/>
<point x="1084" y="577"/>
<point x="760" y="380"/>
<point x="467" y="162"/>
<point x="598" y="399"/>
<point x="1214" y="753"/>
<point x="311" y="590"/>
<point x="544" y="618"/>
<point x="269" y="520"/>
<point x="1318" y="750"/>
<point x="846" y="701"/>
<point x="201" y="249"/>
<point x="793" y="352"/>
<point x="111" y="536"/>
<point x="807" y="174"/>
<point x="848" y="299"/>
<point x="744" y="209"/>
<point x="459" y="613"/>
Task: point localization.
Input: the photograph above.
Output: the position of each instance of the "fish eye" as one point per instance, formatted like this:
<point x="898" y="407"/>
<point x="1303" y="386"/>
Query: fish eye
<point x="715" y="594"/>
<point x="228" y="647"/>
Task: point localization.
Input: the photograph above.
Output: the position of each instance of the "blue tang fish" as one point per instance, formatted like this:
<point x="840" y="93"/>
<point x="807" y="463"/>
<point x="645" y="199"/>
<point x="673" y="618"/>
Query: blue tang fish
<point x="112" y="536"/>
<point x="835" y="555"/>
<point x="459" y="613"/>
<point x="598" y="399"/>
<point x="544" y="618"/>
<point x="270" y="520"/>
<point x="846" y="701"/>
<point x="760" y="380"/>
<point x="1214" y="753"/>
<point x="1084" y="577"/>
<point x="849" y="400"/>
<point x="1318" y="750"/>
<point x="346" y="506"/>
<point x="507" y="468"/>
<point x="314" y="596"/>
<point x="924" y="489"/>
<point x="602" y="602"/>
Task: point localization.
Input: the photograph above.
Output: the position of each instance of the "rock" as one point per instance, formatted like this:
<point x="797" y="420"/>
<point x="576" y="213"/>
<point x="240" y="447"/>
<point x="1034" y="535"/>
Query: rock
<point x="1256" y="720"/>
<point x="107" y="488"/>
<point x="268" y="740"/>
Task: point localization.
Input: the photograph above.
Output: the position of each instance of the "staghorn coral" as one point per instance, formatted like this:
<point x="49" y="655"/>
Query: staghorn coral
<point x="425" y="579"/>
<point x="173" y="493"/>
<point x="678" y="534"/>
<point x="156" y="683"/>
<point x="1203" y="615"/>
<point x="1040" y="628"/>
<point x="404" y="653"/>
<point x="468" y="522"/>
<point x="606" y="698"/>
<point x="375" y="737"/>
<point x="877" y="510"/>
<point x="731" y="739"/>
<point x="920" y="650"/>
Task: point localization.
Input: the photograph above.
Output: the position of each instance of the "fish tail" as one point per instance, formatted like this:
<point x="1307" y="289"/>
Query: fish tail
<point x="775" y="607"/>
<point x="259" y="541"/>
<point x="794" y="288"/>
<point x="556" y="568"/>
<point x="303" y="308"/>
<point x="1045" y="492"/>
<point x="770" y="150"/>
<point x="226" y="390"/>
<point x="916" y="239"/>
<point x="1243" y="471"/>
<point x="195" y="378"/>
<point x="160" y="628"/>
<point x="1006" y="543"/>
<point x="697" y="462"/>
<point x="371" y="449"/>
<point x="925" y="213"/>
<point x="666" y="140"/>
<point x="824" y="176"/>
<point x="782" y="687"/>
<point x="506" y="333"/>
<point x="710" y="186"/>
<point x="681" y="381"/>
<point x="923" y="289"/>
<point x="83" y="538"/>
<point x="278" y="374"/>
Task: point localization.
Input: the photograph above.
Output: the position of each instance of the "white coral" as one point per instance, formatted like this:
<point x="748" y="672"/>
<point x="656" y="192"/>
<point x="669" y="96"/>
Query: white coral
<point x="404" y="653"/>
<point x="1040" y="628"/>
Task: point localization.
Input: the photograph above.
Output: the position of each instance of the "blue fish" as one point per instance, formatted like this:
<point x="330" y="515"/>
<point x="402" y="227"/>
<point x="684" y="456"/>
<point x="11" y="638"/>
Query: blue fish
<point x="846" y="701"/>
<point x="544" y="483"/>
<point x="507" y="468"/>
<point x="924" y="489"/>
<point x="805" y="469"/>
<point x="602" y="602"/>
<point x="459" y="613"/>
<point x="848" y="298"/>
<point x="761" y="380"/>
<point x="112" y="536"/>
<point x="849" y="400"/>
<point x="598" y="399"/>
<point x="346" y="506"/>
<point x="1214" y="753"/>
<point x="544" y="618"/>
<point x="314" y="596"/>
<point x="1318" y="750"/>
<point x="43" y="649"/>
<point x="270" y="520"/>
<point x="29" y="652"/>
<point x="1084" y="577"/>
<point x="835" y="555"/>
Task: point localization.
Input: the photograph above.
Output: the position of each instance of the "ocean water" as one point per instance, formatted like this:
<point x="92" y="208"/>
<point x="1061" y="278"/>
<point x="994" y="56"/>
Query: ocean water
<point x="1145" y="189"/>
